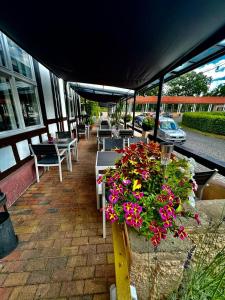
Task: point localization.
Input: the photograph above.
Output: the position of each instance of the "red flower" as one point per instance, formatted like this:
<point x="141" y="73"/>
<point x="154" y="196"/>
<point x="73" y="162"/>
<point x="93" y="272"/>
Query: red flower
<point x="180" y="233"/>
<point x="196" y="216"/>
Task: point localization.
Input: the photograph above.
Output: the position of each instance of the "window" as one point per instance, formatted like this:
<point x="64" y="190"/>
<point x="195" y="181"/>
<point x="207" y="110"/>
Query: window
<point x="29" y="103"/>
<point x="20" y="60"/>
<point x="8" y="117"/>
<point x="2" y="58"/>
<point x="19" y="103"/>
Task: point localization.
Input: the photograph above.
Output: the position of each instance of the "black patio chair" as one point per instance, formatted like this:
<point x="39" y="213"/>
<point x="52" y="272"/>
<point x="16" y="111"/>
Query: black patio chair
<point x="105" y="126"/>
<point x="48" y="156"/>
<point x="202" y="179"/>
<point x="136" y="139"/>
<point x="101" y="134"/>
<point x="126" y="133"/>
<point x="111" y="144"/>
<point x="82" y="130"/>
<point x="64" y="134"/>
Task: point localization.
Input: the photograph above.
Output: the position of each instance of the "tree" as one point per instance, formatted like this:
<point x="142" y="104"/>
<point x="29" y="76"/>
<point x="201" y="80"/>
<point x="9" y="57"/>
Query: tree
<point x="218" y="91"/>
<point x="152" y="92"/>
<point x="190" y="84"/>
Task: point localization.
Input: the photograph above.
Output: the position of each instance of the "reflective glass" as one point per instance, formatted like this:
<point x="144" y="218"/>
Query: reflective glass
<point x="2" y="58"/>
<point x="20" y="59"/>
<point x="8" y="118"/>
<point x="29" y="103"/>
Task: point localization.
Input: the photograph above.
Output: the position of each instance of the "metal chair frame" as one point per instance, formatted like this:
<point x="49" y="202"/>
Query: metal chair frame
<point x="202" y="179"/>
<point x="45" y="152"/>
<point x="110" y="144"/>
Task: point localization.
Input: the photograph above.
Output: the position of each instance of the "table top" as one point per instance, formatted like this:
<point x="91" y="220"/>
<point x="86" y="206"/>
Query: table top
<point x="107" y="158"/>
<point x="61" y="142"/>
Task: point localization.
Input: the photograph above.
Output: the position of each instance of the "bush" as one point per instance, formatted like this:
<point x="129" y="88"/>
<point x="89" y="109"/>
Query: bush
<point x="127" y="118"/>
<point x="148" y="123"/>
<point x="213" y="122"/>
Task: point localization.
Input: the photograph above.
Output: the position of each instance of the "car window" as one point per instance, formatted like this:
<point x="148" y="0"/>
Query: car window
<point x="168" y="125"/>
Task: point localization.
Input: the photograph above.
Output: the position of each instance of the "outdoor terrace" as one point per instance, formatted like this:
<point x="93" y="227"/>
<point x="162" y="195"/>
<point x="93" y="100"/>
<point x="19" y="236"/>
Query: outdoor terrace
<point x="61" y="252"/>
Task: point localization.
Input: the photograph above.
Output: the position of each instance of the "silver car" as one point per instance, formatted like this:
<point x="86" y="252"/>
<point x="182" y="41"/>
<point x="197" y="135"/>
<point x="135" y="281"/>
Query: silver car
<point x="170" y="131"/>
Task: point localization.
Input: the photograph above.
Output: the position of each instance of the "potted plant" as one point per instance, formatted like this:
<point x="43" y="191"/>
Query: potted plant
<point x="148" y="197"/>
<point x="127" y="118"/>
<point x="148" y="123"/>
<point x="91" y="122"/>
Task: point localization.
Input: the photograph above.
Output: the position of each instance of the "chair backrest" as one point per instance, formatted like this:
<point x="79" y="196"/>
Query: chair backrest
<point x="104" y="133"/>
<point x="136" y="139"/>
<point x="104" y="126"/>
<point x="81" y="128"/>
<point x="104" y="122"/>
<point x="42" y="149"/>
<point x="202" y="178"/>
<point x="111" y="144"/>
<point x="126" y="133"/>
<point x="63" y="134"/>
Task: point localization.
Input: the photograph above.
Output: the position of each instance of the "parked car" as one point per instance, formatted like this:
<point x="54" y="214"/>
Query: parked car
<point x="170" y="131"/>
<point x="139" y="119"/>
<point x="167" y="114"/>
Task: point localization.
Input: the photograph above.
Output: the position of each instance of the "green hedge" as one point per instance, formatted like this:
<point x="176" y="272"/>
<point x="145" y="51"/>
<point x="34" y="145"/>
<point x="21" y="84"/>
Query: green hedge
<point x="213" y="122"/>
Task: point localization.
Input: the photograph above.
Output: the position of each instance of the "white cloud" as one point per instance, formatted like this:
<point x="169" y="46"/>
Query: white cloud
<point x="216" y="70"/>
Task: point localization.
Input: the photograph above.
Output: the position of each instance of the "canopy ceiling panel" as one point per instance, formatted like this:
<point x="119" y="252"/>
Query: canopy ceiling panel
<point x="115" y="43"/>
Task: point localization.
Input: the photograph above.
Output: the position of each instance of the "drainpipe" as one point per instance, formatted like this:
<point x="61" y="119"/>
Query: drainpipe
<point x="125" y="121"/>
<point x="134" y="109"/>
<point x="158" y="108"/>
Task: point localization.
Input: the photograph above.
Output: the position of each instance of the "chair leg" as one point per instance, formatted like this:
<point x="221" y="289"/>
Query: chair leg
<point x="76" y="151"/>
<point x="37" y="172"/>
<point x="60" y="172"/>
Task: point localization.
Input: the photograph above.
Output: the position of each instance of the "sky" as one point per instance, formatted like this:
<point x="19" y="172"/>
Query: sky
<point x="216" y="70"/>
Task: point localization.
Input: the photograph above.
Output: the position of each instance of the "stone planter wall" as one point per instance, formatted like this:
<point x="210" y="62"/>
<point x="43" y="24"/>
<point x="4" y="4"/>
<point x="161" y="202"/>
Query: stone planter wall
<point x="156" y="275"/>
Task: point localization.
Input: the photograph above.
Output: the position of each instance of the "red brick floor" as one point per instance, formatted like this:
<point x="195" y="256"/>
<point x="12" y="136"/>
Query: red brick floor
<point x="61" y="253"/>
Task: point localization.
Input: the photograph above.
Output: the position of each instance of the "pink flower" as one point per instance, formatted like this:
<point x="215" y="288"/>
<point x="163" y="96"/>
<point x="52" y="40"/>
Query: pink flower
<point x="113" y="198"/>
<point x="137" y="221"/>
<point x="119" y="189"/>
<point x="99" y="180"/>
<point x="126" y="182"/>
<point x="116" y="176"/>
<point x="128" y="207"/>
<point x="167" y="188"/>
<point x="180" y="233"/>
<point x="167" y="223"/>
<point x="194" y="185"/>
<point x="137" y="209"/>
<point x="196" y="216"/>
<point x="161" y="198"/>
<point x="111" y="216"/>
<point x="170" y="211"/>
<point x="163" y="213"/>
<point x="138" y="195"/>
<point x="145" y="175"/>
<point x="129" y="219"/>
<point x="110" y="180"/>
<point x="155" y="240"/>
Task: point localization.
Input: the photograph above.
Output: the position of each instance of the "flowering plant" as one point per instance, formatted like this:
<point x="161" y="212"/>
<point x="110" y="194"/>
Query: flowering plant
<point x="147" y="197"/>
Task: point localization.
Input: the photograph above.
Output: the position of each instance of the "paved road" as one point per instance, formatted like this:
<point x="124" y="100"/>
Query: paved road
<point x="209" y="145"/>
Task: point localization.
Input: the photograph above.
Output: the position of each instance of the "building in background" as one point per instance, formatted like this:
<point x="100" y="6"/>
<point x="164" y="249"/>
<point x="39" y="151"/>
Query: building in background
<point x="179" y="104"/>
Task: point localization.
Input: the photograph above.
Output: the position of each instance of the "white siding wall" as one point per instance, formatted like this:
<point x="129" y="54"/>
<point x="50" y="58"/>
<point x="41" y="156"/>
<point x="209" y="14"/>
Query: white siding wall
<point x="61" y="90"/>
<point x="7" y="159"/>
<point x="47" y="90"/>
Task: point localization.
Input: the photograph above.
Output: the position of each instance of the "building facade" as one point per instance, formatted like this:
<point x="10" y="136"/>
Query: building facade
<point x="34" y="104"/>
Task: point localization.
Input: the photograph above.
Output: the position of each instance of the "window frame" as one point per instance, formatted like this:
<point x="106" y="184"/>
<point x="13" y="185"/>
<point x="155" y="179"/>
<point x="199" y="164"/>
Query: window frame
<point x="8" y="72"/>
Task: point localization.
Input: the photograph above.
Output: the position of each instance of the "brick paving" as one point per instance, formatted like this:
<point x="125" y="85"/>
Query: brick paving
<point x="61" y="253"/>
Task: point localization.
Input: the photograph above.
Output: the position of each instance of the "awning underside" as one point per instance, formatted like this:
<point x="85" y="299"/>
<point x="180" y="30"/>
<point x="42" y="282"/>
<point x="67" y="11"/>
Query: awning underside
<point x="116" y="43"/>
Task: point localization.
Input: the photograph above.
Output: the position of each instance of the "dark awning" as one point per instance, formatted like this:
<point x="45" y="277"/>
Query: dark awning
<point x="116" y="43"/>
<point x="101" y="93"/>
